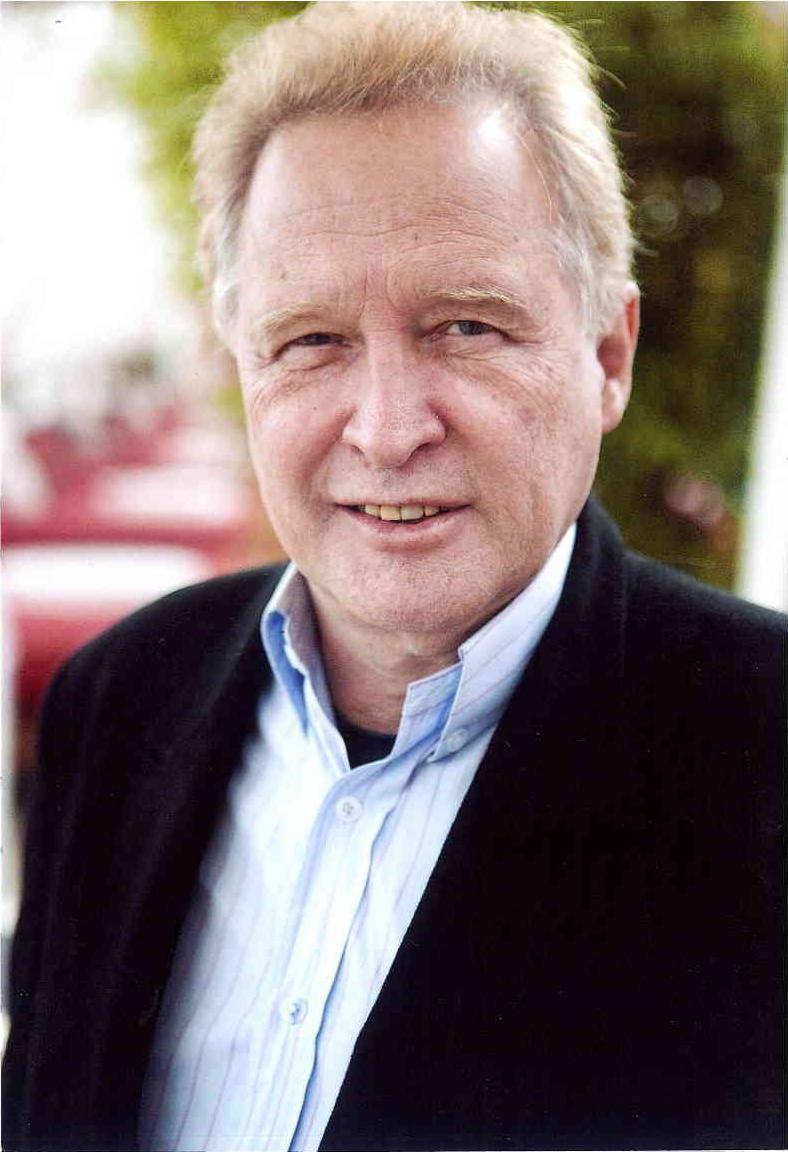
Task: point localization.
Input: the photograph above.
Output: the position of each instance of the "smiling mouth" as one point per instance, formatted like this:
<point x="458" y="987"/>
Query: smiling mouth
<point x="411" y="513"/>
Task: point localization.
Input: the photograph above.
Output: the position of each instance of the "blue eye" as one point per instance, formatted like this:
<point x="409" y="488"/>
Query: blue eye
<point x="314" y="339"/>
<point x="471" y="327"/>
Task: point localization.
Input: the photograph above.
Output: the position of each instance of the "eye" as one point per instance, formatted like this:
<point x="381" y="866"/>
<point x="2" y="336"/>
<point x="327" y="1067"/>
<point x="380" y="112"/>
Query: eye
<point x="312" y="350"/>
<point x="313" y="340"/>
<point x="469" y="328"/>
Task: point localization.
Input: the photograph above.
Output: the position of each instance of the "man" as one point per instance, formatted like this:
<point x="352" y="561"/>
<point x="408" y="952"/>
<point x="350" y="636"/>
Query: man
<point x="462" y="832"/>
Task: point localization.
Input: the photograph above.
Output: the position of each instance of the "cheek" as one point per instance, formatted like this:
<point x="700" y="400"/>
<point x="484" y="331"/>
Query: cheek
<point x="289" y="437"/>
<point x="543" y="433"/>
<point x="262" y="445"/>
<point x="532" y="409"/>
<point x="560" y="409"/>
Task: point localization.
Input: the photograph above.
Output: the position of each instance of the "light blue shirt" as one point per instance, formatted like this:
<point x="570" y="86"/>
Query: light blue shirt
<point x="312" y="880"/>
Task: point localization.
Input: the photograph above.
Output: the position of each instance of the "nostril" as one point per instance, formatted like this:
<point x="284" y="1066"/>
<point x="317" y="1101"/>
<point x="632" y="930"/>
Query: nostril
<point x="388" y="434"/>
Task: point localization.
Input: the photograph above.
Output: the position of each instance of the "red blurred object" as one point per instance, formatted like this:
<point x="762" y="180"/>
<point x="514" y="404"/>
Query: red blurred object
<point x="116" y="521"/>
<point x="173" y="482"/>
<point x="191" y="506"/>
<point x="58" y="597"/>
<point x="45" y="640"/>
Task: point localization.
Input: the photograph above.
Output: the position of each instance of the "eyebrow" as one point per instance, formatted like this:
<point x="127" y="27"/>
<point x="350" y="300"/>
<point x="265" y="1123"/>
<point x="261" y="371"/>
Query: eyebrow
<point x="479" y="296"/>
<point x="267" y="326"/>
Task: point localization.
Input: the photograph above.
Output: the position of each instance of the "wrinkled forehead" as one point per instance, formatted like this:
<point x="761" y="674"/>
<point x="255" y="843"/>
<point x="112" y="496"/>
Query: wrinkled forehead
<point x="399" y="206"/>
<point x="371" y="172"/>
<point x="352" y="213"/>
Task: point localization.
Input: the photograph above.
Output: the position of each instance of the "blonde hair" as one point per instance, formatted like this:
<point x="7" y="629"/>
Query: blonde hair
<point x="340" y="58"/>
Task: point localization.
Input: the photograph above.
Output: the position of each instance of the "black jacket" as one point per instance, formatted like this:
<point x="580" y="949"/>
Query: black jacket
<point x="597" y="959"/>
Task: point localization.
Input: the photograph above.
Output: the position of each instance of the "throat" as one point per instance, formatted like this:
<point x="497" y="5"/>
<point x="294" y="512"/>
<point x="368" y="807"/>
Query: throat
<point x="363" y="745"/>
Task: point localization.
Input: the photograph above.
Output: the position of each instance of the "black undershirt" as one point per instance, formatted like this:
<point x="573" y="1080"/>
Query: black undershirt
<point x="362" y="745"/>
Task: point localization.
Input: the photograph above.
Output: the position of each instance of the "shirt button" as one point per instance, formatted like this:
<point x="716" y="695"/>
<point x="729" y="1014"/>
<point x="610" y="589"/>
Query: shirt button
<point x="456" y="740"/>
<point x="293" y="1011"/>
<point x="348" y="809"/>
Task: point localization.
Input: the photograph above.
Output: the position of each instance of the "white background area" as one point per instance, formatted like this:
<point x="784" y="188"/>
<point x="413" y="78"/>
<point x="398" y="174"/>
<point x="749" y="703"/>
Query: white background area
<point x="85" y="266"/>
<point x="763" y="566"/>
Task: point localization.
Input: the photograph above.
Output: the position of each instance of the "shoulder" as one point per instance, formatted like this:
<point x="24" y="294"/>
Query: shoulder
<point x="189" y="617"/>
<point x="185" y="637"/>
<point x="675" y="610"/>
<point x="699" y="660"/>
<point x="205" y="607"/>
<point x="693" y="671"/>
<point x="659" y="615"/>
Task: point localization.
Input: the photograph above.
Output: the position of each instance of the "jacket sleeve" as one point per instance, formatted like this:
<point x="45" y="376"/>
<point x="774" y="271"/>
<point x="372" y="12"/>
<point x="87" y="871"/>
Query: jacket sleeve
<point x="53" y="793"/>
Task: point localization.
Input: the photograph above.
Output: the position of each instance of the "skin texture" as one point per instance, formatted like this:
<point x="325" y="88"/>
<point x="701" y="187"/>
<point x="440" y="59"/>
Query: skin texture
<point x="405" y="334"/>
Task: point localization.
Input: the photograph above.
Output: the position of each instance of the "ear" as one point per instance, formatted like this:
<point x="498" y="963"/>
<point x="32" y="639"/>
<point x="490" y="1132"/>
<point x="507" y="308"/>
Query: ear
<point x="615" y="352"/>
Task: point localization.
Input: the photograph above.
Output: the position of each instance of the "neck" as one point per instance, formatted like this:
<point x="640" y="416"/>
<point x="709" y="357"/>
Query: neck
<point x="369" y="676"/>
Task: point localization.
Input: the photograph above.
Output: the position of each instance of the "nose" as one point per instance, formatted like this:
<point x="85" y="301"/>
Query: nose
<point x="392" y="416"/>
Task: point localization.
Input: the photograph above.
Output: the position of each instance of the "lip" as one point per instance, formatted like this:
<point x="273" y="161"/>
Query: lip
<point x="408" y="533"/>
<point x="425" y="502"/>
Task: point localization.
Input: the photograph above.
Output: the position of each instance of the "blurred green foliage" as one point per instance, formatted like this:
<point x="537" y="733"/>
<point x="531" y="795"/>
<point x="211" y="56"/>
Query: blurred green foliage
<point x="698" y="94"/>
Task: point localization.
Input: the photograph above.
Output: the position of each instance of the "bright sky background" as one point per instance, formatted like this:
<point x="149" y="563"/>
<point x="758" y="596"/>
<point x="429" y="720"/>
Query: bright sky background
<point x="85" y="266"/>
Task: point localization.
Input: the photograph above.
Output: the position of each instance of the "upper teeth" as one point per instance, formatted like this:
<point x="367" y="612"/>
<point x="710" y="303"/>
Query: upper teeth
<point x="399" y="511"/>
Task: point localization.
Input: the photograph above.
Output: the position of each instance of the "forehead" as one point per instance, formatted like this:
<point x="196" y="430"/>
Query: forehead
<point x="409" y="193"/>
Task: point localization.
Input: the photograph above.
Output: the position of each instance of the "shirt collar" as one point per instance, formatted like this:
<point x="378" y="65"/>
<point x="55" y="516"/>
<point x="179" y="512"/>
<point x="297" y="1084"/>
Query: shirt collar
<point x="463" y="699"/>
<point x="493" y="659"/>
<point x="291" y="641"/>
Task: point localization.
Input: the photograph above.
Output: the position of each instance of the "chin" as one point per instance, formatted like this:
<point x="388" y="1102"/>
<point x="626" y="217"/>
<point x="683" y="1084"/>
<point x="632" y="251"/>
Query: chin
<point x="441" y="609"/>
<point x="413" y="619"/>
<point x="446" y="596"/>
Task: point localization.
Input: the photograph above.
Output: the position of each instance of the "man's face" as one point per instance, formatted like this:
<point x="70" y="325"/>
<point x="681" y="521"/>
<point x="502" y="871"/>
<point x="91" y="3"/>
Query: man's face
<point x="407" y="341"/>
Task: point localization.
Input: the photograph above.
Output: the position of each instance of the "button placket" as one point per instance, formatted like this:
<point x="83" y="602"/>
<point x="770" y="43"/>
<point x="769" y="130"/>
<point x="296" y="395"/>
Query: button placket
<point x="348" y="809"/>
<point x="325" y="954"/>
<point x="293" y="1010"/>
<point x="456" y="739"/>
